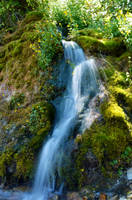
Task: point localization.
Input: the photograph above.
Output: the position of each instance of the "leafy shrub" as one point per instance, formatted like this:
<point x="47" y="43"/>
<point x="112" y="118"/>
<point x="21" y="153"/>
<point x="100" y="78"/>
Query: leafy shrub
<point x="11" y="11"/>
<point x="49" y="43"/>
<point x="72" y="15"/>
<point x="16" y="100"/>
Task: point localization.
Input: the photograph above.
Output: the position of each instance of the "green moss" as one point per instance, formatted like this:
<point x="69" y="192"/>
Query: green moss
<point x="107" y="140"/>
<point x="106" y="73"/>
<point x="122" y="94"/>
<point x="17" y="50"/>
<point x="112" y="111"/>
<point x="117" y="78"/>
<point x="13" y="48"/>
<point x="28" y="117"/>
<point x="30" y="36"/>
<point x="114" y="46"/>
<point x="16" y="101"/>
<point x="39" y="117"/>
<point x="1" y="78"/>
<point x="28" y="24"/>
<point x="91" y="32"/>
<point x="2" y="52"/>
<point x="124" y="56"/>
<point x="11" y="45"/>
<point x="32" y="16"/>
<point x="87" y="32"/>
<point x="105" y="46"/>
<point x="1" y="67"/>
<point x="24" y="163"/>
<point x="5" y="161"/>
<point x="124" y="98"/>
<point x="29" y="135"/>
<point x="40" y="125"/>
<point x="90" y="43"/>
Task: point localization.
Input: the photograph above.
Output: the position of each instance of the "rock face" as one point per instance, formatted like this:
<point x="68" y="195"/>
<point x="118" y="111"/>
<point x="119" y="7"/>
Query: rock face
<point x="93" y="42"/>
<point x="73" y="196"/>
<point x="26" y="91"/>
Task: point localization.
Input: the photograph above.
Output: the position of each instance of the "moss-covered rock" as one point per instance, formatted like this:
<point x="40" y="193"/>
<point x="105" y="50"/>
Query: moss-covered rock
<point x="109" y="140"/>
<point x="26" y="115"/>
<point x="27" y="24"/>
<point x="1" y="67"/>
<point x="25" y="140"/>
<point x="32" y="16"/>
<point x="87" y="32"/>
<point x="114" y="46"/>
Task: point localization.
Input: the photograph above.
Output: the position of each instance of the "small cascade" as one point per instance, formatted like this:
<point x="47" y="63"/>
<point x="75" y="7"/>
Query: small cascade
<point x="77" y="104"/>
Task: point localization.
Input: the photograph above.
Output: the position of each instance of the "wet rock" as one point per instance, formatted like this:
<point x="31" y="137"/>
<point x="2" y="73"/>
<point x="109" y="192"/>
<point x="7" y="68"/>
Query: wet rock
<point x="2" y="186"/>
<point x="130" y="186"/>
<point x="85" y="198"/>
<point x="115" y="197"/>
<point x="73" y="196"/>
<point x="87" y="193"/>
<point x="91" y="159"/>
<point x="122" y="198"/>
<point x="55" y="197"/>
<point x="103" y="196"/>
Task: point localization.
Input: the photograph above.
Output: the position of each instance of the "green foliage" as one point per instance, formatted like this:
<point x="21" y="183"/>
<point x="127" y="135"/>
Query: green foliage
<point x="11" y="11"/>
<point x="72" y="15"/>
<point x="127" y="154"/>
<point x="128" y="74"/>
<point x="39" y="118"/>
<point x="33" y="3"/>
<point x="1" y="67"/>
<point x="16" y="101"/>
<point x="39" y="5"/>
<point x="24" y="163"/>
<point x="6" y="160"/>
<point x="111" y="18"/>
<point x="107" y="141"/>
<point x="123" y="161"/>
<point x="20" y="154"/>
<point x="49" y="43"/>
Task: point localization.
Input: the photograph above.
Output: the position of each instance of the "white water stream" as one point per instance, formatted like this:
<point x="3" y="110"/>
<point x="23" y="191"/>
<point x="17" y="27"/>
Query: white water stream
<point x="77" y="104"/>
<point x="82" y="87"/>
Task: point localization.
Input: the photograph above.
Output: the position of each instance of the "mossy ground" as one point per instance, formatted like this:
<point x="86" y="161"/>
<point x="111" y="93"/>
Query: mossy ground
<point x="92" y="41"/>
<point x="25" y="112"/>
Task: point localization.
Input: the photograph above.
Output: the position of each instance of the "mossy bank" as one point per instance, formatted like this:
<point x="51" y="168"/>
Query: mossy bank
<point x="26" y="92"/>
<point x="105" y="149"/>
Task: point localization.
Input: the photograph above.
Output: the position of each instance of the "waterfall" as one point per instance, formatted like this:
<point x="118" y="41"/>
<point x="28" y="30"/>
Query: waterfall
<point x="77" y="104"/>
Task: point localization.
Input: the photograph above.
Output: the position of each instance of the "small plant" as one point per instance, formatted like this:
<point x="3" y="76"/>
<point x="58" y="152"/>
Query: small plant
<point x="16" y="101"/>
<point x="114" y="163"/>
<point x="127" y="155"/>
<point x="11" y="11"/>
<point x="49" y="43"/>
<point x="120" y="171"/>
<point x="39" y="118"/>
<point x="123" y="161"/>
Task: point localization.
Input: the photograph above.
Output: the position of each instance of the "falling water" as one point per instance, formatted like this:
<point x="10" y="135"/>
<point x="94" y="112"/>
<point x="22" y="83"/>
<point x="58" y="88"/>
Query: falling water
<point x="82" y="86"/>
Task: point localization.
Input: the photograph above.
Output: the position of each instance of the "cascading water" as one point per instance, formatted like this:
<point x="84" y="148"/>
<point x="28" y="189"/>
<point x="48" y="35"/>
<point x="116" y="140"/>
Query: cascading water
<point x="82" y="87"/>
